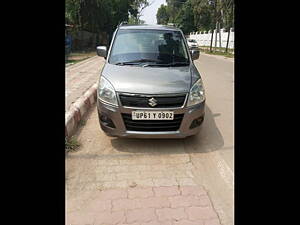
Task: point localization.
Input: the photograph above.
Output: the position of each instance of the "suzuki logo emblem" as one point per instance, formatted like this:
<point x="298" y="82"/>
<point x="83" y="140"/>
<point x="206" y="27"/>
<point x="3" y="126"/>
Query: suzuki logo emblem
<point x="152" y="102"/>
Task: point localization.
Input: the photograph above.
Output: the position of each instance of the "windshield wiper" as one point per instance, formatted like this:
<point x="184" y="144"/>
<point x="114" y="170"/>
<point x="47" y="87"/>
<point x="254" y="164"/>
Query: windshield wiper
<point x="171" y="64"/>
<point x="179" y="64"/>
<point x="136" y="62"/>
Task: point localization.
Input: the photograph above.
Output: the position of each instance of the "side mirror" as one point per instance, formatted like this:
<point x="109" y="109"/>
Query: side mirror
<point x="101" y="51"/>
<point x="195" y="54"/>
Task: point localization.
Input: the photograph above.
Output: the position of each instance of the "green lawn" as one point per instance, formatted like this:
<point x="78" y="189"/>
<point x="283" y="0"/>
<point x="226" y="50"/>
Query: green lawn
<point x="218" y="51"/>
<point x="76" y="57"/>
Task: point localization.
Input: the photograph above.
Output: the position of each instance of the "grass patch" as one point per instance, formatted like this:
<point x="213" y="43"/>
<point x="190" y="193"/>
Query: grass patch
<point x="218" y="51"/>
<point x="71" y="145"/>
<point x="73" y="61"/>
<point x="82" y="123"/>
<point x="83" y="53"/>
<point x="76" y="57"/>
<point x="221" y="49"/>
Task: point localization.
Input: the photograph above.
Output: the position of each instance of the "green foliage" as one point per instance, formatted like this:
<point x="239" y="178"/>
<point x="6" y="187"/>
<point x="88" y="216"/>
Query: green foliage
<point x="134" y="21"/>
<point x="137" y="7"/>
<point x="204" y="15"/>
<point x="185" y="18"/>
<point x="72" y="11"/>
<point x="72" y="144"/>
<point x="102" y="15"/>
<point x="173" y="8"/>
<point x="162" y="15"/>
<point x="197" y="15"/>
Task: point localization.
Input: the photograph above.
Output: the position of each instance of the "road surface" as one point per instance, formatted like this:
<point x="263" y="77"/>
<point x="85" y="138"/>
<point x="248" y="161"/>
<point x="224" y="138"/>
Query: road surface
<point x="104" y="163"/>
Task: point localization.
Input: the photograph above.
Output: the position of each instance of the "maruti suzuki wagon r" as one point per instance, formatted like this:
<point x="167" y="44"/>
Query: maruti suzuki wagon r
<point x="149" y="86"/>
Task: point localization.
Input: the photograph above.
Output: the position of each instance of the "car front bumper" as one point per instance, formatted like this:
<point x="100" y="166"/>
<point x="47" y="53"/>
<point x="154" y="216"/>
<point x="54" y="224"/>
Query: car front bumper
<point x="115" y="115"/>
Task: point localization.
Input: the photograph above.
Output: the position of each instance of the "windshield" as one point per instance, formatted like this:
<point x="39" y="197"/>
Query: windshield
<point x="193" y="41"/>
<point x="155" y="46"/>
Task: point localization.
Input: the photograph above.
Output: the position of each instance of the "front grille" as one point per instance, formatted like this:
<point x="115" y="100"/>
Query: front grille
<point x="143" y="101"/>
<point x="152" y="125"/>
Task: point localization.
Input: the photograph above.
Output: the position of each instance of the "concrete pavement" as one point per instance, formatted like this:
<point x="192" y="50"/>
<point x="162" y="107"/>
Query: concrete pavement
<point x="103" y="168"/>
<point x="172" y="205"/>
<point x="80" y="77"/>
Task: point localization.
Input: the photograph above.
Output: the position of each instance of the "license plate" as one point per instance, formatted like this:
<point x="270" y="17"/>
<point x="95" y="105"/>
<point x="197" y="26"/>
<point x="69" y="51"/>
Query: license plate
<point x="152" y="115"/>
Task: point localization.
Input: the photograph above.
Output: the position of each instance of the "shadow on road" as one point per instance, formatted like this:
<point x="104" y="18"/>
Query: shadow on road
<point x="208" y="139"/>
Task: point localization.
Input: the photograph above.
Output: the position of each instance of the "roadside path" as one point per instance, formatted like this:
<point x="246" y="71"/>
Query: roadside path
<point x="80" y="77"/>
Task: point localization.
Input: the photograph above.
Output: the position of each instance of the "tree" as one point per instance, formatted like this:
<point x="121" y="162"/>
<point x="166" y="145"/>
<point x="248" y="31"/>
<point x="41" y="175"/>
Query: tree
<point x="102" y="15"/>
<point x="136" y="10"/>
<point x="72" y="11"/>
<point x="189" y="15"/>
<point x="133" y="20"/>
<point x="185" y="18"/>
<point x="173" y="8"/>
<point x="224" y="15"/>
<point x="229" y="14"/>
<point x="197" y="15"/>
<point x="203" y="16"/>
<point x="162" y="15"/>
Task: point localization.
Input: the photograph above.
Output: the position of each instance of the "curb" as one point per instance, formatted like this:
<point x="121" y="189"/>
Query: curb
<point x="78" y="109"/>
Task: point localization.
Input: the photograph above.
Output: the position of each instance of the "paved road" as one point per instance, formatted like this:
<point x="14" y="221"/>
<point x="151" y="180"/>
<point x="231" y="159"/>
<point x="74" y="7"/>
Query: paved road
<point x="80" y="77"/>
<point x="205" y="161"/>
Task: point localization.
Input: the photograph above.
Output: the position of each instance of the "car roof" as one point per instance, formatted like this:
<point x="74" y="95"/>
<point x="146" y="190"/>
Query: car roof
<point x="150" y="27"/>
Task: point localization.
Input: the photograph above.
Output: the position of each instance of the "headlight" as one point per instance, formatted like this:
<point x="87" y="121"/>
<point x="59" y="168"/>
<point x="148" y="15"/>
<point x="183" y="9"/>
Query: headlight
<point x="106" y="92"/>
<point x="197" y="93"/>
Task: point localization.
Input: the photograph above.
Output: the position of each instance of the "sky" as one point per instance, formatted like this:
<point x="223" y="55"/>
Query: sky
<point x="149" y="13"/>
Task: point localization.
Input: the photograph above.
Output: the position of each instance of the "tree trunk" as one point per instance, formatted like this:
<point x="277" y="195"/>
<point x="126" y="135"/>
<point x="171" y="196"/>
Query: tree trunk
<point x="216" y="21"/>
<point x="220" y="39"/>
<point x="226" y="50"/>
<point x="222" y="19"/>
<point x="229" y="25"/>
<point x="211" y="40"/>
<point x="97" y="41"/>
<point x="216" y="39"/>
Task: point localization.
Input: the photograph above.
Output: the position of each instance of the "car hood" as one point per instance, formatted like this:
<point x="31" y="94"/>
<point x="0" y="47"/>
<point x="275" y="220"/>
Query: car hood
<point x="148" y="80"/>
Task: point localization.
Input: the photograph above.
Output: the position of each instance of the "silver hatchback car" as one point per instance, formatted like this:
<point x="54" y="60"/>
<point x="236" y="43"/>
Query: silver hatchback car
<point x="149" y="86"/>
